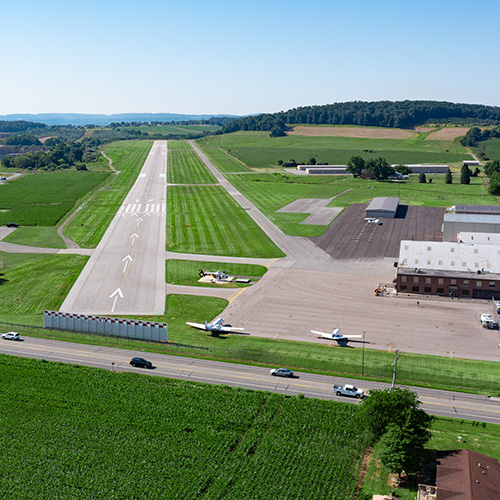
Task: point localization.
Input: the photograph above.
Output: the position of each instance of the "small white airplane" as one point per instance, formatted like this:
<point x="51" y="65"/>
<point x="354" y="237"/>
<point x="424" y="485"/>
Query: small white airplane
<point x="336" y="335"/>
<point x="214" y="326"/>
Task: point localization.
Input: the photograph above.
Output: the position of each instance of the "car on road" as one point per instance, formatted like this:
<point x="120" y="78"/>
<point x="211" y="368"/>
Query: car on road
<point x="11" y="336"/>
<point x="141" y="363"/>
<point x="281" y="372"/>
<point x="12" y="224"/>
<point x="348" y="390"/>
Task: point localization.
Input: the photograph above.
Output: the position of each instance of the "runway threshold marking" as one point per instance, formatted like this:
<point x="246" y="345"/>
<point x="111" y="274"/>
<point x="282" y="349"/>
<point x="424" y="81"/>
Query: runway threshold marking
<point x="236" y="295"/>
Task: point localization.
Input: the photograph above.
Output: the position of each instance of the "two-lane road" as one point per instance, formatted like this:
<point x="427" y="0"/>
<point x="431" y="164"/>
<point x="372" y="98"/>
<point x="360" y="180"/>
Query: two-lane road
<point x="442" y="403"/>
<point x="126" y="272"/>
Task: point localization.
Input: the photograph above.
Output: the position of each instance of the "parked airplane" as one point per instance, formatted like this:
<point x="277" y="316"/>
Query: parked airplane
<point x="336" y="335"/>
<point x="214" y="326"/>
<point x="218" y="275"/>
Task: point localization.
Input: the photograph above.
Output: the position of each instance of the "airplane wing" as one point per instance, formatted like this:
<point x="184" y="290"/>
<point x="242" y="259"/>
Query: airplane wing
<point x="200" y="326"/>
<point x="323" y="334"/>
<point x="230" y="329"/>
<point x="350" y="336"/>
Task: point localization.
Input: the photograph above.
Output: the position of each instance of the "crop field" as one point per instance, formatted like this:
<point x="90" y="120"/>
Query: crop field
<point x="351" y="131"/>
<point x="206" y="220"/>
<point x="272" y="191"/>
<point x="222" y="159"/>
<point x="258" y="150"/>
<point x="92" y="433"/>
<point x="185" y="166"/>
<point x="31" y="283"/>
<point x="90" y="224"/>
<point x="42" y="199"/>
<point x="185" y="272"/>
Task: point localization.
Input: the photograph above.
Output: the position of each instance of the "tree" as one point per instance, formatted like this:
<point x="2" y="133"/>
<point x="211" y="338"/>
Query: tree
<point x="465" y="174"/>
<point x="355" y="165"/>
<point x="448" y="178"/>
<point x="494" y="187"/>
<point x="312" y="161"/>
<point x="277" y="131"/>
<point x="403" y="169"/>
<point x="491" y="167"/>
<point x="401" y="447"/>
<point x="476" y="172"/>
<point x="379" y="169"/>
<point x="389" y="406"/>
<point x="422" y="178"/>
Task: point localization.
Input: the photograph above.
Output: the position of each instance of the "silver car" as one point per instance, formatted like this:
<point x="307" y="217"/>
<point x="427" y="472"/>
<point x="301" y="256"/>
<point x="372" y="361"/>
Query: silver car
<point x="11" y="336"/>
<point x="281" y="372"/>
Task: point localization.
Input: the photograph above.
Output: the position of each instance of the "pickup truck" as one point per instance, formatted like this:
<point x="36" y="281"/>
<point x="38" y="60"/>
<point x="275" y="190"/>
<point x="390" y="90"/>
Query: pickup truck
<point x="348" y="390"/>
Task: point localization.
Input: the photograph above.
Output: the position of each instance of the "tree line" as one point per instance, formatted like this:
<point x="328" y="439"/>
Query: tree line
<point x="61" y="156"/>
<point x="475" y="135"/>
<point x="398" y="114"/>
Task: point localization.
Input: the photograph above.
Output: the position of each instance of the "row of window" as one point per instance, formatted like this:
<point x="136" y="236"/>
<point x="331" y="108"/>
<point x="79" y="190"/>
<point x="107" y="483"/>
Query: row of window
<point x="428" y="289"/>
<point x="440" y="281"/>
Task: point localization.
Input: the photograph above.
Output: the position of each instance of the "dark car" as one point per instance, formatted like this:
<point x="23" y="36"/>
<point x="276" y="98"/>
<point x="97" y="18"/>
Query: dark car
<point x="12" y="224"/>
<point x="141" y="363"/>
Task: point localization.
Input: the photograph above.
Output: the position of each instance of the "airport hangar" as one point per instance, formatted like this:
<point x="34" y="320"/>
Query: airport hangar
<point x="465" y="264"/>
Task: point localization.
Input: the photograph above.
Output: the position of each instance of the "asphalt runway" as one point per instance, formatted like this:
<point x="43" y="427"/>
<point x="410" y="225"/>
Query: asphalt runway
<point x="126" y="273"/>
<point x="442" y="403"/>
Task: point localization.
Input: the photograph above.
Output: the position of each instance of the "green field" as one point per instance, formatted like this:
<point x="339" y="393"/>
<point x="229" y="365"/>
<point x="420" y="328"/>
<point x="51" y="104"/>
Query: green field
<point x="90" y="224"/>
<point x="42" y="199"/>
<point x="185" y="272"/>
<point x="37" y="236"/>
<point x="491" y="148"/>
<point x="259" y="150"/>
<point x="272" y="191"/>
<point x="185" y="166"/>
<point x="30" y="283"/>
<point x="173" y="129"/>
<point x="80" y="432"/>
<point x="221" y="159"/>
<point x="206" y="220"/>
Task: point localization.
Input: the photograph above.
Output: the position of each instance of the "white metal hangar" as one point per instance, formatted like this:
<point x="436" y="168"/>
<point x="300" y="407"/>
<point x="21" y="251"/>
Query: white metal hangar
<point x="383" y="207"/>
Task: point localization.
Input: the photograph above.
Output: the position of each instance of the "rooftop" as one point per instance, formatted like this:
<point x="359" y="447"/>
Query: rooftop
<point x="384" y="203"/>
<point x="441" y="255"/>
<point x="463" y="217"/>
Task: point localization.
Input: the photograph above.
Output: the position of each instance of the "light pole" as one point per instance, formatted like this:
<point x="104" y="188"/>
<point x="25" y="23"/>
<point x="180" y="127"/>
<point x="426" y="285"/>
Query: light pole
<point x="394" y="364"/>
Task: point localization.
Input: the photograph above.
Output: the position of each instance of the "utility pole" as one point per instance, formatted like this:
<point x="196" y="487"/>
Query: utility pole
<point x="363" y="358"/>
<point x="394" y="364"/>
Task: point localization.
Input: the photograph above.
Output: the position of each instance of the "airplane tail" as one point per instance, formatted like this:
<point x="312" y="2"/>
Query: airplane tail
<point x="207" y="326"/>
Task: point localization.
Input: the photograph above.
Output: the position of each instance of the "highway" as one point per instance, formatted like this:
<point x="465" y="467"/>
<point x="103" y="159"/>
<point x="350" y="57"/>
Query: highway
<point x="126" y="273"/>
<point x="435" y="402"/>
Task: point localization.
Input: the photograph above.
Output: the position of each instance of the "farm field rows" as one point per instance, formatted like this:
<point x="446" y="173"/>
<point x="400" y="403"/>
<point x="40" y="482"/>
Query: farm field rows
<point x="42" y="199"/>
<point x="259" y="150"/>
<point x="90" y="224"/>
<point x="95" y="433"/>
<point x="185" y="166"/>
<point x="206" y="220"/>
<point x="31" y="283"/>
<point x="185" y="272"/>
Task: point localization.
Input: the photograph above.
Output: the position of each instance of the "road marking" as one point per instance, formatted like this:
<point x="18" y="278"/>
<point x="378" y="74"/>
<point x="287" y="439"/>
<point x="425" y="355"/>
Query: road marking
<point x="117" y="293"/>
<point x="236" y="295"/>
<point x="389" y="350"/>
<point x="134" y="237"/>
<point x="276" y="336"/>
<point x="142" y="175"/>
<point x="451" y="354"/>
<point x="162" y="175"/>
<point x="127" y="261"/>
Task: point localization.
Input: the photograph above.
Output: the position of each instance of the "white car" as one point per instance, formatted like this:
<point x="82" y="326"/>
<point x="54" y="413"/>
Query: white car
<point x="487" y="321"/>
<point x="11" y="336"/>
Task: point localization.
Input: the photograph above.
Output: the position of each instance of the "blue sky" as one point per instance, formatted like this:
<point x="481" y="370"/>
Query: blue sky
<point x="234" y="57"/>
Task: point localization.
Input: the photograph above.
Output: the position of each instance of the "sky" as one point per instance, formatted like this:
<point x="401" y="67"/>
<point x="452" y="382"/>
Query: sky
<point x="234" y="57"/>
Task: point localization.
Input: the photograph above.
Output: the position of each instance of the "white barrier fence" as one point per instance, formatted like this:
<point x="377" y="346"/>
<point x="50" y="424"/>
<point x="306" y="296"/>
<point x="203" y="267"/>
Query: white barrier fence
<point x="103" y="325"/>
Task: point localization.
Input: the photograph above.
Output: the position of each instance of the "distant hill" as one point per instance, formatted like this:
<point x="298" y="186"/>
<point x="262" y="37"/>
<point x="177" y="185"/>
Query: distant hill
<point x="397" y="114"/>
<point x="86" y="119"/>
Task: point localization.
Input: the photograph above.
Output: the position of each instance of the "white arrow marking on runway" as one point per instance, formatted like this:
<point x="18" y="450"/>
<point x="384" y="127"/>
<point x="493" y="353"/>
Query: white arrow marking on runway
<point x="127" y="261"/>
<point x="134" y="236"/>
<point x="147" y="215"/>
<point x="117" y="293"/>
<point x="139" y="220"/>
<point x="149" y="201"/>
